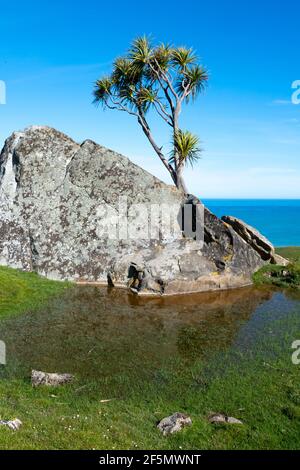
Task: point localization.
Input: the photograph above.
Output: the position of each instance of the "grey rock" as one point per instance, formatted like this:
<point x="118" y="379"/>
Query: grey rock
<point x="221" y="418"/>
<point x="14" y="424"/>
<point x="39" y="378"/>
<point x="53" y="197"/>
<point x="280" y="260"/>
<point x="253" y="237"/>
<point x="174" y="423"/>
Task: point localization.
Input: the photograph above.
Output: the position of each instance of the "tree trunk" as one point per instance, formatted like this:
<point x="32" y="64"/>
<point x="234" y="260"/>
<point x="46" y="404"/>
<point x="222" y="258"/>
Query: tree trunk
<point x="176" y="172"/>
<point x="180" y="183"/>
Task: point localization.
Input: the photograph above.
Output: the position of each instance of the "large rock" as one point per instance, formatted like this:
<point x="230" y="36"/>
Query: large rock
<point x="54" y="195"/>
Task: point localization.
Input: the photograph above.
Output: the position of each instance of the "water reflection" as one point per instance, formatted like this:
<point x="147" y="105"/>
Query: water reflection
<point x="102" y="333"/>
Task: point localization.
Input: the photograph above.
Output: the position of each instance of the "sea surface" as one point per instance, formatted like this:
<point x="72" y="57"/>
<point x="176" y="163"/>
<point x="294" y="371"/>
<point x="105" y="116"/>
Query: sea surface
<point x="277" y="219"/>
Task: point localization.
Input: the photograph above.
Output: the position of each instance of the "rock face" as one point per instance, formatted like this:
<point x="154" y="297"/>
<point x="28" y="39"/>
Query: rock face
<point x="251" y="236"/>
<point x="60" y="213"/>
<point x="280" y="260"/>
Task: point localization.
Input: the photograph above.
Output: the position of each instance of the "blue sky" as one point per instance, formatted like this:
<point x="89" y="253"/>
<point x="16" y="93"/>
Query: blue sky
<point x="51" y="52"/>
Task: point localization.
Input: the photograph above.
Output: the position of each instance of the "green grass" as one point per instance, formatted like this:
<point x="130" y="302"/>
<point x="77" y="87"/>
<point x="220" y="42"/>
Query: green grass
<point x="261" y="391"/>
<point x="286" y="277"/>
<point x="291" y="252"/>
<point x="258" y="385"/>
<point x="20" y="291"/>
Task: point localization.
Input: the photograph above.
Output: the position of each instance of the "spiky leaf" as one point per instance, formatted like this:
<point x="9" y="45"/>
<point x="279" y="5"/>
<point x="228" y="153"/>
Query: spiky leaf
<point x="183" y="57"/>
<point x="193" y="79"/>
<point x="186" y="148"/>
<point x="102" y="90"/>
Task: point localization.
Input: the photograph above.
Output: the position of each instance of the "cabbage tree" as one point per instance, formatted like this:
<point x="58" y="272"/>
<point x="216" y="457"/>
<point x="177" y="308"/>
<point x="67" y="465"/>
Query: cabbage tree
<point x="159" y="78"/>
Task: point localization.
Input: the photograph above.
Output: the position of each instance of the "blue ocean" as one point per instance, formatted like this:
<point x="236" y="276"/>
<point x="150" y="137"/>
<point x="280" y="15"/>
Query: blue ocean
<point x="277" y="219"/>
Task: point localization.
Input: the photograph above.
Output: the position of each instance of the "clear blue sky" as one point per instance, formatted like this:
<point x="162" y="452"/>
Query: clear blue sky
<point x="51" y="52"/>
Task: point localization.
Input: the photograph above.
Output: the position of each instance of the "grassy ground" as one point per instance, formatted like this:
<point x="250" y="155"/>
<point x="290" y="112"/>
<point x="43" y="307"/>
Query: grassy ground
<point x="287" y="277"/>
<point x="258" y="385"/>
<point x="21" y="291"/>
<point x="261" y="389"/>
<point x="291" y="252"/>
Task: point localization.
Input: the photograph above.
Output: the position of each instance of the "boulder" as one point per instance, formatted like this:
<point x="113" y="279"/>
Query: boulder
<point x="84" y="213"/>
<point x="174" y="423"/>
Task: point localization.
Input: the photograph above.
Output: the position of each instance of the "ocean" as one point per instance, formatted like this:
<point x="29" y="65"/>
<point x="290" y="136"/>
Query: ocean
<point x="277" y="219"/>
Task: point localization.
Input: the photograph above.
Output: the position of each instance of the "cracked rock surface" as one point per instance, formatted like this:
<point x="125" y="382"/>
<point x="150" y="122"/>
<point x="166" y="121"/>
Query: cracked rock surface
<point x="54" y="195"/>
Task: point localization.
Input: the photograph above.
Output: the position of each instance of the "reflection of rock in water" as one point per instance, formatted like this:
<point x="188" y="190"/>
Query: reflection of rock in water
<point x="205" y="322"/>
<point x="222" y="318"/>
<point x="100" y="333"/>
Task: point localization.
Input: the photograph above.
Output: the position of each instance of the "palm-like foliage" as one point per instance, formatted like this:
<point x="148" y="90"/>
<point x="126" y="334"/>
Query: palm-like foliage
<point x="186" y="148"/>
<point x="122" y="72"/>
<point x="161" y="56"/>
<point x="140" y="50"/>
<point x="102" y="90"/>
<point x="197" y="78"/>
<point x="183" y="57"/>
<point x="161" y="78"/>
<point x="145" y="96"/>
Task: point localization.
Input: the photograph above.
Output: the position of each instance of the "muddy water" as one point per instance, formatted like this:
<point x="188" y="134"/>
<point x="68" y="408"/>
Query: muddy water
<point x="97" y="333"/>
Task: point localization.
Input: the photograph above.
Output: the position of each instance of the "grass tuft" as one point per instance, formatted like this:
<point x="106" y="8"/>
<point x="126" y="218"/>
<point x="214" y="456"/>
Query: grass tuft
<point x="280" y="276"/>
<point x="22" y="291"/>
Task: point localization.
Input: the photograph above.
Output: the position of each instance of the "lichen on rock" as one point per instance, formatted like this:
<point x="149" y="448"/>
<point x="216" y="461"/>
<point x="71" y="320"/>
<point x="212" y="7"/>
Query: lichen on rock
<point x="54" y="195"/>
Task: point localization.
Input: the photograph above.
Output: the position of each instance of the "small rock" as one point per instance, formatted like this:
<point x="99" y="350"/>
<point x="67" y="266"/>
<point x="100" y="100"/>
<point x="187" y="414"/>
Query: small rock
<point x="14" y="425"/>
<point x="174" y="423"/>
<point x="232" y="420"/>
<point x="221" y="418"/>
<point x="51" y="380"/>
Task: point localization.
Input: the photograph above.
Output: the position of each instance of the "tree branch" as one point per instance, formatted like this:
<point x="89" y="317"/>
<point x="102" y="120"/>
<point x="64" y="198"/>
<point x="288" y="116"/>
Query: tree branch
<point x="167" y="80"/>
<point x="165" y="88"/>
<point x="146" y="129"/>
<point x="120" y="106"/>
<point x="163" y="114"/>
